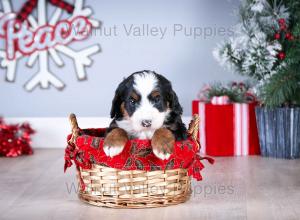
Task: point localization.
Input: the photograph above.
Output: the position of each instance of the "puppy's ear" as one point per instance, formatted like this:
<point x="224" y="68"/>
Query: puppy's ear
<point x="115" y="111"/>
<point x="174" y="103"/>
<point x="171" y="96"/>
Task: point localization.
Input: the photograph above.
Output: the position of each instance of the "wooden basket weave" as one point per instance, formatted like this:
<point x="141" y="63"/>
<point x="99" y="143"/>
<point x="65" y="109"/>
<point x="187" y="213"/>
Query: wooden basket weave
<point x="110" y="187"/>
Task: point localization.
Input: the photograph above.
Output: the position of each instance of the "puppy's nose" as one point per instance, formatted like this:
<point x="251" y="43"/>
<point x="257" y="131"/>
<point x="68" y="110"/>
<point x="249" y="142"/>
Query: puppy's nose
<point x="146" y="123"/>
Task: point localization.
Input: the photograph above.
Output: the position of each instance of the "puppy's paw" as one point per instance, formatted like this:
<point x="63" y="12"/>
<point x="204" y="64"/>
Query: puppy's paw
<point x="112" y="151"/>
<point x="160" y="155"/>
<point x="114" y="142"/>
<point x="163" y="143"/>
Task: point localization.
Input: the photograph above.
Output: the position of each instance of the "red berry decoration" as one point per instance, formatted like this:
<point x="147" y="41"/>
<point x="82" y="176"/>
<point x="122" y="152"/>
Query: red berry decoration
<point x="288" y="36"/>
<point x="281" y="55"/>
<point x="282" y="24"/>
<point x="277" y="36"/>
<point x="281" y="21"/>
<point x="283" y="27"/>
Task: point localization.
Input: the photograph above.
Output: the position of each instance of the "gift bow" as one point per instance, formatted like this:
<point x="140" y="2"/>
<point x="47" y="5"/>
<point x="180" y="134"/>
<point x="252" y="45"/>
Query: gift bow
<point x="220" y="100"/>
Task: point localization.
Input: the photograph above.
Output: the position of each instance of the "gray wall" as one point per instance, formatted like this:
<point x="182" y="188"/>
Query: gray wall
<point x="185" y="60"/>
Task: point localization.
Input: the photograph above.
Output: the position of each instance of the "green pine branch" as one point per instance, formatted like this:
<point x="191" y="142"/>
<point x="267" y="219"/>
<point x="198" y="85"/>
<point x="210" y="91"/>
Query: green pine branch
<point x="283" y="89"/>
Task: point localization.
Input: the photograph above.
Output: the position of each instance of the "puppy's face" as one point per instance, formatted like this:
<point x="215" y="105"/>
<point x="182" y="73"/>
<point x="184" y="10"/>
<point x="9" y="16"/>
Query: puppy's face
<point x="143" y="103"/>
<point x="145" y="106"/>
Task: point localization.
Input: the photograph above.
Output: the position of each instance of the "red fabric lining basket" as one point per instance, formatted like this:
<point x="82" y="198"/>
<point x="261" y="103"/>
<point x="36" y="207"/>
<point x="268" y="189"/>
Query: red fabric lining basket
<point x="85" y="149"/>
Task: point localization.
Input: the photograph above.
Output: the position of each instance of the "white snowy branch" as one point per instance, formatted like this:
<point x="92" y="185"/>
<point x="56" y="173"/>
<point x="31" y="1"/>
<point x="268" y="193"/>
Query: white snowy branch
<point x="44" y="77"/>
<point x="9" y="65"/>
<point x="6" y="6"/>
<point x="80" y="10"/>
<point x="55" y="57"/>
<point x="55" y="16"/>
<point x="32" y="59"/>
<point x="81" y="58"/>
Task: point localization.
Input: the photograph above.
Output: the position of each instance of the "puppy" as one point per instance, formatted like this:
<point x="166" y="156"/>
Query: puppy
<point x="145" y="107"/>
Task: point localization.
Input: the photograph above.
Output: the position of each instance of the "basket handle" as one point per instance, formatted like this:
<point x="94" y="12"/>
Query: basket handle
<point x="194" y="129"/>
<point x="74" y="128"/>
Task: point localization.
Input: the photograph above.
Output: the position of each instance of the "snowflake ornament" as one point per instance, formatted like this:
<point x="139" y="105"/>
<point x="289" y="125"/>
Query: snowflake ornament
<point x="38" y="40"/>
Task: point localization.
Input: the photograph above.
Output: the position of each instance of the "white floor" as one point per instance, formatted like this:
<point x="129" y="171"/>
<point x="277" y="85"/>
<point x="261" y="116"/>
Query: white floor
<point x="35" y="187"/>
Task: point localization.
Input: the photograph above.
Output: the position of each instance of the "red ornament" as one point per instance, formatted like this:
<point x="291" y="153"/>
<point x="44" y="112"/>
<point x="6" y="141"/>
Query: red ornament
<point x="281" y="55"/>
<point x="282" y="24"/>
<point x="281" y="21"/>
<point x="15" y="139"/>
<point x="288" y="36"/>
<point x="283" y="27"/>
<point x="277" y="36"/>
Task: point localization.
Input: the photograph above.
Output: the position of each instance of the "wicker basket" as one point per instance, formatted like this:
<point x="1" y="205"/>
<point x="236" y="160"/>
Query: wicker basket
<point x="110" y="187"/>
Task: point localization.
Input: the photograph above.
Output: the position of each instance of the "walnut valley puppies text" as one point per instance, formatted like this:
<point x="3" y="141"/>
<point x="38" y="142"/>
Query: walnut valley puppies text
<point x="20" y="38"/>
<point x="162" y="32"/>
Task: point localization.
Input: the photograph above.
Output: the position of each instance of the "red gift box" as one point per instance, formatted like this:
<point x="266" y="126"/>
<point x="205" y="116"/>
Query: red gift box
<point x="227" y="130"/>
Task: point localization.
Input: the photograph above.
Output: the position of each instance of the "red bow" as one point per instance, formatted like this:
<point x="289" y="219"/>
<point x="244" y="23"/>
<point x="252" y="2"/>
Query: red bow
<point x="30" y="5"/>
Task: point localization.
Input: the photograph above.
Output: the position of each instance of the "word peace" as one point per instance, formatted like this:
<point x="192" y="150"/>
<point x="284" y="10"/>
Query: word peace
<point x="19" y="36"/>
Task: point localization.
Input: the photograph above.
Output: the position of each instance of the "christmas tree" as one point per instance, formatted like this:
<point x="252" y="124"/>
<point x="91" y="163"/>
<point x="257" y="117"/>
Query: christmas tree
<point x="266" y="47"/>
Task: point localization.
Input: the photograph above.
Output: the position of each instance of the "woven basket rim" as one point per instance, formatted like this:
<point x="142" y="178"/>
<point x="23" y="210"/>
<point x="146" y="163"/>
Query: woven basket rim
<point x="133" y="191"/>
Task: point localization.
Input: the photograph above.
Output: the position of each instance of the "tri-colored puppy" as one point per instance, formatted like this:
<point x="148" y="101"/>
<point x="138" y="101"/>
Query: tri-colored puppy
<point x="145" y="107"/>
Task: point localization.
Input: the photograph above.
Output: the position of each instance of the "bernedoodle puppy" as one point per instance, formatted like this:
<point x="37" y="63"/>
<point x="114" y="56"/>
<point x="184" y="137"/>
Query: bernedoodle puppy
<point x="145" y="107"/>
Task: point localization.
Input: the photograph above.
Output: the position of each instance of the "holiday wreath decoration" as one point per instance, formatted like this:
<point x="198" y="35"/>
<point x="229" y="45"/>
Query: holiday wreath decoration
<point x="136" y="178"/>
<point x="41" y="37"/>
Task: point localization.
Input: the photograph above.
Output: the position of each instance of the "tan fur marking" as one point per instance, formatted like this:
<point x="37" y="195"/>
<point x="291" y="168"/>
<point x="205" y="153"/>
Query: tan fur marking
<point x="117" y="137"/>
<point x="134" y="96"/>
<point x="163" y="141"/>
<point x="123" y="110"/>
<point x="155" y="94"/>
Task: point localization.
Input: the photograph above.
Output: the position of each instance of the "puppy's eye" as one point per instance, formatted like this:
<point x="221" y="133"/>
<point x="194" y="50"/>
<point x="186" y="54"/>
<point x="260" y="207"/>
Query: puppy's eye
<point x="132" y="101"/>
<point x="156" y="99"/>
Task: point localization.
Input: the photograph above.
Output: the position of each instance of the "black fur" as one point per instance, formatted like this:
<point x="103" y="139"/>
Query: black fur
<point x="121" y="94"/>
<point x="168" y="99"/>
<point x="173" y="122"/>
